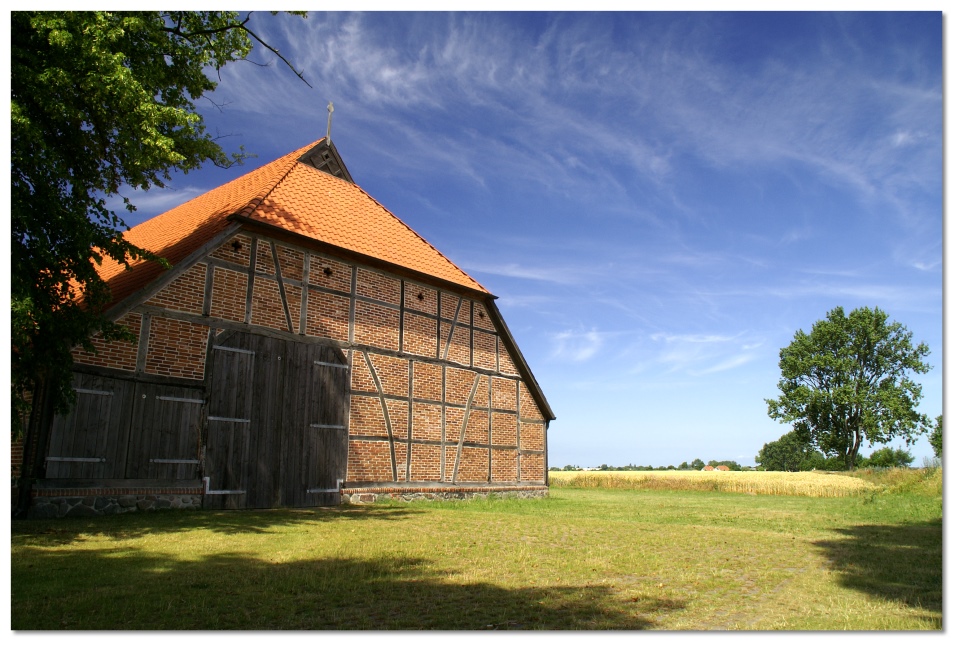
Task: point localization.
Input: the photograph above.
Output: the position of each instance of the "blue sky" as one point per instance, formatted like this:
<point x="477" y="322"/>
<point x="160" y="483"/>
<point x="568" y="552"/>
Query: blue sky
<point x="658" y="200"/>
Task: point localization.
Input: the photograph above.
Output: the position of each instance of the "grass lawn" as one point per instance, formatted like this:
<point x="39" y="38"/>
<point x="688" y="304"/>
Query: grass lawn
<point x="581" y="559"/>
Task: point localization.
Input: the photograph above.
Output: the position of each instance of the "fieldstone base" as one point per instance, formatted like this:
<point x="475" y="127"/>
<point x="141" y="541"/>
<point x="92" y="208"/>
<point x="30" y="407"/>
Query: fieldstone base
<point x="376" y="494"/>
<point x="49" y="507"/>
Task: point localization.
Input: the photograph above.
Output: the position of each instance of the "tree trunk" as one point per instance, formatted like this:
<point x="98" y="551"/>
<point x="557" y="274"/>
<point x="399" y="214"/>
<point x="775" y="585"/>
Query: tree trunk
<point x="34" y="446"/>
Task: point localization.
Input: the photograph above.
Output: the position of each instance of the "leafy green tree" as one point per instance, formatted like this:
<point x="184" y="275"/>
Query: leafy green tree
<point x="935" y="437"/>
<point x="888" y="457"/>
<point x="846" y="382"/>
<point x="697" y="464"/>
<point x="791" y="453"/>
<point x="99" y="101"/>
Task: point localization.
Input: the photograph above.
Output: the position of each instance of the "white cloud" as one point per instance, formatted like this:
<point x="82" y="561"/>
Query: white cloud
<point x="692" y="339"/>
<point x="559" y="275"/>
<point x="535" y="100"/>
<point x="724" y="365"/>
<point x="151" y="203"/>
<point x="576" y="346"/>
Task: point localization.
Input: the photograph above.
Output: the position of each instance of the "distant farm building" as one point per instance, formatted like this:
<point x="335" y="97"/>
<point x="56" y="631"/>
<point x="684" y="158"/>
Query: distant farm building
<point x="306" y="347"/>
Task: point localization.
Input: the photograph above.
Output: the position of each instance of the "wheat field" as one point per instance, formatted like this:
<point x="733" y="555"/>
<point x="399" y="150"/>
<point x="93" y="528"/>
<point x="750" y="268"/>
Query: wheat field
<point x="812" y="484"/>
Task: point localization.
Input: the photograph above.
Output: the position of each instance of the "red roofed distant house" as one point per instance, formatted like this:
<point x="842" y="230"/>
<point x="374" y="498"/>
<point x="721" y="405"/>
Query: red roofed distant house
<point x="722" y="468"/>
<point x="708" y="468"/>
<point x="305" y="346"/>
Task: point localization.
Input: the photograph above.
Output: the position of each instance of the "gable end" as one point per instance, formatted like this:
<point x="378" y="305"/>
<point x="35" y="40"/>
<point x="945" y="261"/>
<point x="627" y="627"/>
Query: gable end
<point x="324" y="157"/>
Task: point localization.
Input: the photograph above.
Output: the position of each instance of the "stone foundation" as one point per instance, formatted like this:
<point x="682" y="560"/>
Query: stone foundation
<point x="50" y="507"/>
<point x="379" y="494"/>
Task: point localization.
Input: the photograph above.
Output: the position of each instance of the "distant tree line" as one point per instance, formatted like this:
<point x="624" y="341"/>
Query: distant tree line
<point x="695" y="464"/>
<point x="788" y="454"/>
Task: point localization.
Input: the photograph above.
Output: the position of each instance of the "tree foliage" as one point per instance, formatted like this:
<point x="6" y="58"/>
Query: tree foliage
<point x="793" y="452"/>
<point x="847" y="382"/>
<point x="935" y="437"/>
<point x="99" y="101"/>
<point x="889" y="457"/>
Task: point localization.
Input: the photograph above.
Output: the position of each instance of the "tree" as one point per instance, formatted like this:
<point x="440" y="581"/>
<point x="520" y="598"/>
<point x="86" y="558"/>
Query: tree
<point x="888" y="457"/>
<point x="847" y="382"/>
<point x="697" y="464"/>
<point x="791" y="453"/>
<point x="99" y="101"/>
<point x="935" y="437"/>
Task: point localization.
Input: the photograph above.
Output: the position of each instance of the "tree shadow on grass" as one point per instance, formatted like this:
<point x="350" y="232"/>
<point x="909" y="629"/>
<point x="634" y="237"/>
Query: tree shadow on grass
<point x="105" y="589"/>
<point x="901" y="563"/>
<point x="227" y="522"/>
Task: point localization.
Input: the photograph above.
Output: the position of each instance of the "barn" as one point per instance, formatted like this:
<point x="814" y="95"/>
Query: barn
<point x="305" y="348"/>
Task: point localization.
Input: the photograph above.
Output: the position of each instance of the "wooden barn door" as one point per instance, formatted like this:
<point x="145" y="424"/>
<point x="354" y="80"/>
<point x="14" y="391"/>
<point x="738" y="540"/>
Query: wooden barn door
<point x="323" y="450"/>
<point x="277" y="423"/>
<point x="165" y="432"/>
<point x="90" y="442"/>
<point x="229" y="424"/>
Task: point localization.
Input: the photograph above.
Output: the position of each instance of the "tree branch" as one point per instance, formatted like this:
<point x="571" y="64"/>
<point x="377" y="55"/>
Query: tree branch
<point x="206" y="33"/>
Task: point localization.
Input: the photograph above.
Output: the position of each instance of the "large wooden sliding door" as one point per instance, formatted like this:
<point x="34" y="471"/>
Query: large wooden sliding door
<point x="276" y="423"/>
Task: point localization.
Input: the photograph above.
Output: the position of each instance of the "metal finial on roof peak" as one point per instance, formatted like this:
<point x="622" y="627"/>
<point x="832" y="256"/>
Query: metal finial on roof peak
<point x="329" y="121"/>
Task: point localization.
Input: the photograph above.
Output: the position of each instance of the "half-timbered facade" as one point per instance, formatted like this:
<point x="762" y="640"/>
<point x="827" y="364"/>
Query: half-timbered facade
<point x="305" y="347"/>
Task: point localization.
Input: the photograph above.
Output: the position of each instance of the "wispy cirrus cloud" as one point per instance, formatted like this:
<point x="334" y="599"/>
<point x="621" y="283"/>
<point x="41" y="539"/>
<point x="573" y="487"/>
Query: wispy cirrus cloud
<point x="699" y="354"/>
<point x="152" y="202"/>
<point x="554" y="105"/>
<point x="560" y="275"/>
<point x="576" y="346"/>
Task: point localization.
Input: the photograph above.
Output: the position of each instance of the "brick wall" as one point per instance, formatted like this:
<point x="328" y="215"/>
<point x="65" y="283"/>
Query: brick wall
<point x="377" y="326"/>
<point x="419" y="335"/>
<point x="427" y="422"/>
<point x="423" y="371"/>
<point x="369" y="461"/>
<point x="176" y="348"/>
<point x="531" y="436"/>
<point x="267" y="306"/>
<point x="393" y="373"/>
<point x="264" y="257"/>
<point x="374" y="285"/>
<point x="185" y="294"/>
<point x="330" y="274"/>
<point x="291" y="262"/>
<point x="236" y="250"/>
<point x="327" y="315"/>
<point x="421" y="298"/>
<point x="504" y="429"/>
<point x="112" y="354"/>
<point x="427" y="381"/>
<point x="366" y="417"/>
<point x="503" y="465"/>
<point x="229" y="295"/>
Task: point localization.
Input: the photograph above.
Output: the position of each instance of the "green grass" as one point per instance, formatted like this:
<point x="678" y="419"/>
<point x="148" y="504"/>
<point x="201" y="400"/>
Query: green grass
<point x="582" y="559"/>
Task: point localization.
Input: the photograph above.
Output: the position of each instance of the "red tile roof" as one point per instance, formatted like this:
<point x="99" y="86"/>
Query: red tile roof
<point x="293" y="196"/>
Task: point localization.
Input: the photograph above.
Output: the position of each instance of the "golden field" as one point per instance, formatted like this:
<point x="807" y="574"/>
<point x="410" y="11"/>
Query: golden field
<point x="813" y="484"/>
